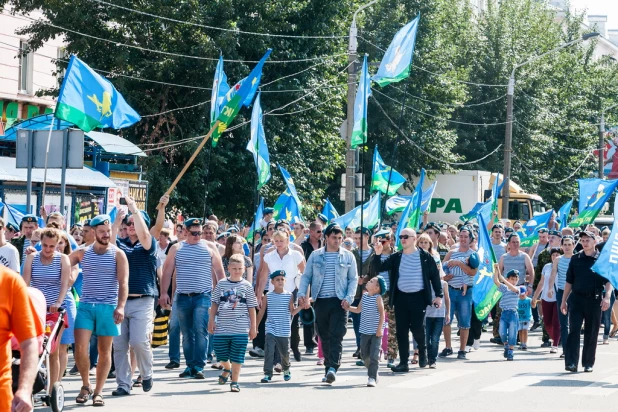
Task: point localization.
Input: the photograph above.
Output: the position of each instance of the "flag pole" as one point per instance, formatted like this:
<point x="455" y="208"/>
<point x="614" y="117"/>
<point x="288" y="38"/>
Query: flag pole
<point x="51" y="128"/>
<point x="207" y="182"/>
<point x="256" y="199"/>
<point x="189" y="162"/>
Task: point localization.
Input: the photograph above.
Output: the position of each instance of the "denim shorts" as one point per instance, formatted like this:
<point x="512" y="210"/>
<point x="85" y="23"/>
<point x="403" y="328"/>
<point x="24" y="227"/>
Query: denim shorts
<point x="461" y="306"/>
<point x="98" y="318"/>
<point x="524" y="325"/>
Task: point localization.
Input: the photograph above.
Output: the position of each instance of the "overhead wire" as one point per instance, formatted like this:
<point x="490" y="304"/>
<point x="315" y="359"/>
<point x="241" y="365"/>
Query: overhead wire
<point x="535" y="172"/>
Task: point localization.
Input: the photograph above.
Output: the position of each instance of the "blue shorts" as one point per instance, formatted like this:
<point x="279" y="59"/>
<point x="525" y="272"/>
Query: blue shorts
<point x="461" y="306"/>
<point x="69" y="304"/>
<point x="524" y="325"/>
<point x="230" y="347"/>
<point x="98" y="318"/>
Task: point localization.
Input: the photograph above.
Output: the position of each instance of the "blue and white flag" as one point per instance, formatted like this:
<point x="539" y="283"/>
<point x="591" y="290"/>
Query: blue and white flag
<point x="397" y="60"/>
<point x="329" y="211"/>
<point x="607" y="262"/>
<point x="219" y="90"/>
<point x="257" y="144"/>
<point x="563" y="213"/>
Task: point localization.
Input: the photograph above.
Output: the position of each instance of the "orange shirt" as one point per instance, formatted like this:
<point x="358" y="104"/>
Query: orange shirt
<point x="17" y="318"/>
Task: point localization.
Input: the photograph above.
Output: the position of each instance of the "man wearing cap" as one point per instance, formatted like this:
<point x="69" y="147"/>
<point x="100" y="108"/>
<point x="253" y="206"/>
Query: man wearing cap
<point x="268" y="216"/>
<point x="433" y="230"/>
<point x="198" y="268"/>
<point x="413" y="275"/>
<point x="364" y="254"/>
<point x="460" y="274"/>
<point x="331" y="272"/>
<point x="29" y="224"/>
<point x="9" y="255"/>
<point x="586" y="295"/>
<point x="140" y="247"/>
<point x="105" y="272"/>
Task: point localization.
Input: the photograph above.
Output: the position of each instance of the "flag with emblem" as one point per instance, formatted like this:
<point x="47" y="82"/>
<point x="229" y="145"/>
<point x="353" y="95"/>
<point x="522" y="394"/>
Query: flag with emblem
<point x="371" y="215"/>
<point x="411" y="215"/>
<point x="530" y="234"/>
<point x="476" y="209"/>
<point x="257" y="145"/>
<point x="607" y="262"/>
<point x="593" y="193"/>
<point x="563" y="213"/>
<point x="219" y="91"/>
<point x="380" y="176"/>
<point x="397" y="60"/>
<point x="255" y="226"/>
<point x="286" y="207"/>
<point x="398" y="203"/>
<point x="89" y="100"/>
<point x="329" y="211"/>
<point x="359" y="130"/>
<point x="240" y="95"/>
<point x="485" y="293"/>
<point x="289" y="182"/>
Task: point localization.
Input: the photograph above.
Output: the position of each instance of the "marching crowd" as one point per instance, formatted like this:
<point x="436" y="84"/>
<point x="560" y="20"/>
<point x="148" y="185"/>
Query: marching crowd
<point x="225" y="293"/>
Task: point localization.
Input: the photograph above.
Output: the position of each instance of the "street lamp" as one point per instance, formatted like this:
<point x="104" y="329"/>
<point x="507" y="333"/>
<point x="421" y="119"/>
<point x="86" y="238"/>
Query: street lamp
<point x="508" y="137"/>
<point x="602" y="139"/>
<point x="350" y="157"/>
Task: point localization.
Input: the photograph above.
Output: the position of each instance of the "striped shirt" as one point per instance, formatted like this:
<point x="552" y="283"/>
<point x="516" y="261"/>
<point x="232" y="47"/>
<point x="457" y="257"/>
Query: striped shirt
<point x="410" y="273"/>
<point x="563" y="265"/>
<point x="433" y="312"/>
<point x="499" y="249"/>
<point x="510" y="299"/>
<point x="330" y="271"/>
<point x="385" y="274"/>
<point x="369" y="317"/>
<point x="142" y="266"/>
<point x="459" y="276"/>
<point x="234" y="300"/>
<point x="366" y="253"/>
<point x="46" y="278"/>
<point x="100" y="281"/>
<point x="278" y="316"/>
<point x="193" y="268"/>
<point x="26" y="245"/>
<point x="515" y="262"/>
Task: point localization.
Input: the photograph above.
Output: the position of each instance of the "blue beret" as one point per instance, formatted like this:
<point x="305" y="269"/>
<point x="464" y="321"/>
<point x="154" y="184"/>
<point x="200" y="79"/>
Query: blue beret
<point x="12" y="227"/>
<point x="322" y="217"/>
<point x="233" y="229"/>
<point x="101" y="220"/>
<point x="512" y="272"/>
<point x="144" y="216"/>
<point x="382" y="283"/>
<point x="29" y="219"/>
<point x="383" y="234"/>
<point x="224" y="234"/>
<point x="269" y="210"/>
<point x="363" y="230"/>
<point x="193" y="221"/>
<point x="473" y="261"/>
<point x="555" y="233"/>
<point x="277" y="273"/>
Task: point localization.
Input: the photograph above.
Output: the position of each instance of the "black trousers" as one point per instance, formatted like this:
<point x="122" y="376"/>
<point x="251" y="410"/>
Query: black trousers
<point x="410" y="315"/>
<point x="331" y="323"/>
<point x="260" y="339"/>
<point x="582" y="310"/>
<point x="309" y="336"/>
<point x="476" y="328"/>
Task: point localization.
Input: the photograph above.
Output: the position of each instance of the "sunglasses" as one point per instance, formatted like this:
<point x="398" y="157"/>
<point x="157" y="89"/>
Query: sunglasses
<point x="318" y="231"/>
<point x="404" y="237"/>
<point x="198" y="233"/>
<point x="130" y="223"/>
<point x="348" y="243"/>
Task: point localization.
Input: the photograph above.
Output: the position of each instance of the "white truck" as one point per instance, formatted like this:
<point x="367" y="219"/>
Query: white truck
<point x="457" y="193"/>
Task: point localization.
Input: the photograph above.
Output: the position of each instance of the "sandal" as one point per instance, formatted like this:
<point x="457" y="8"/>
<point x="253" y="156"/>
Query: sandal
<point x="612" y="334"/>
<point x="83" y="397"/>
<point x="223" y="379"/>
<point x="138" y="382"/>
<point x="97" y="400"/>
<point x="234" y="387"/>
<point x="415" y="359"/>
<point x="216" y="365"/>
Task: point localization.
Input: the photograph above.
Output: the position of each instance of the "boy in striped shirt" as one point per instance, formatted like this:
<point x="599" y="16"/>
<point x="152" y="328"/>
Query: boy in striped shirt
<point x="509" y="320"/>
<point x="371" y="309"/>
<point x="233" y="305"/>
<point x="279" y="308"/>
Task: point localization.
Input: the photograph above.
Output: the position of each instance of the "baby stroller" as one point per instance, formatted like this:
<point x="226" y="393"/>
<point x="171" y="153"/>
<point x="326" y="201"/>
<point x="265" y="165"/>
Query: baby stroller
<point x="42" y="394"/>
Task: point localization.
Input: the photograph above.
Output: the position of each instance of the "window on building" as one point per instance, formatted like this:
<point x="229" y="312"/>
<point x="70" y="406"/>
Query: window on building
<point x="25" y="69"/>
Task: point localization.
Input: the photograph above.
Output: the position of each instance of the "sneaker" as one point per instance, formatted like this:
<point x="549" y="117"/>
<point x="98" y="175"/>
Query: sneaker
<point x="468" y="349"/>
<point x="477" y="344"/>
<point x="187" y="373"/>
<point x="146" y="385"/>
<point x="73" y="371"/>
<point x="256" y="353"/>
<point x="509" y="355"/>
<point x="172" y="365"/>
<point x="535" y="326"/>
<point x="446" y="352"/>
<point x="554" y="349"/>
<point x="390" y="363"/>
<point x="324" y="379"/>
<point x="506" y="350"/>
<point x="360" y="363"/>
<point x="266" y="379"/>
<point x="461" y="354"/>
<point x="371" y="382"/>
<point x="356" y="354"/>
<point x="120" y="392"/>
<point x="287" y="375"/>
<point x="320" y="362"/>
<point x="546" y="344"/>
<point x="497" y="341"/>
<point x="331" y="375"/>
<point x="278" y="368"/>
<point x="524" y="346"/>
<point x="401" y="368"/>
<point x="198" y="373"/>
<point x="605" y="341"/>
<point x="309" y="351"/>
<point x="432" y="365"/>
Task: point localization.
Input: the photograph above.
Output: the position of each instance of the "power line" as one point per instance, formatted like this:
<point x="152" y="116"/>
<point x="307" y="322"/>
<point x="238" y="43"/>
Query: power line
<point x="455" y="106"/>
<point x="438" y="117"/>
<point x="535" y="172"/>
<point x="560" y="133"/>
<point x="288" y="36"/>
<point x="423" y="151"/>
<point x="178" y="54"/>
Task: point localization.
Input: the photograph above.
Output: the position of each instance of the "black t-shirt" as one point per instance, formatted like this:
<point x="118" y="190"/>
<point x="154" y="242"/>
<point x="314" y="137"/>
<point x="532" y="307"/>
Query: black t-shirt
<point x="308" y="248"/>
<point x="582" y="278"/>
<point x="169" y="290"/>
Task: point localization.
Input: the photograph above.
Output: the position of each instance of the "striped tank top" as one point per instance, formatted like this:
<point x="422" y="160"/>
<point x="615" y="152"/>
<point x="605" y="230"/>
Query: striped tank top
<point x="46" y="278"/>
<point x="193" y="268"/>
<point x="370" y="317"/>
<point x="278" y="316"/>
<point x="515" y="262"/>
<point x="563" y="265"/>
<point x="100" y="281"/>
<point x="23" y="251"/>
<point x="459" y="276"/>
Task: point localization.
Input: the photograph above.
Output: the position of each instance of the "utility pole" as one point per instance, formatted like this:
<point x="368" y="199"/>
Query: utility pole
<point x="601" y="145"/>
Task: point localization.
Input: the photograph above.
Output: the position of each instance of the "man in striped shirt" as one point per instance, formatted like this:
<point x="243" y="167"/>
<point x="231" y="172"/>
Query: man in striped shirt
<point x="29" y="223"/>
<point x="198" y="268"/>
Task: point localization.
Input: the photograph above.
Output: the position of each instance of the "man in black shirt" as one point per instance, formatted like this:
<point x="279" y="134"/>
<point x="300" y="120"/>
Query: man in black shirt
<point x="590" y="296"/>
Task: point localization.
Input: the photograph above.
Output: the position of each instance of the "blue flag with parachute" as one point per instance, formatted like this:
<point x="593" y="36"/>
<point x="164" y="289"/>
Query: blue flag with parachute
<point x="219" y="90"/>
<point x="485" y="294"/>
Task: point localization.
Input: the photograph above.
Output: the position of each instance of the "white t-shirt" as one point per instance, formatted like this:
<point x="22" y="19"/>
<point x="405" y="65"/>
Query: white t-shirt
<point x="9" y="257"/>
<point x="161" y="254"/>
<point x="289" y="263"/>
<point x="546" y="275"/>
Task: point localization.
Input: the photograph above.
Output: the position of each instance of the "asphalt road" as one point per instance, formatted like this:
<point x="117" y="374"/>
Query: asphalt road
<point x="534" y="381"/>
